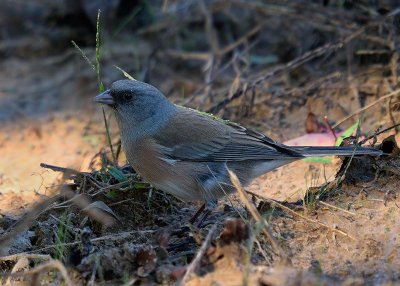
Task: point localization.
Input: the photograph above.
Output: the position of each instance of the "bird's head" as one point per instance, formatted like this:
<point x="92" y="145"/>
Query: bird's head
<point x="136" y="103"/>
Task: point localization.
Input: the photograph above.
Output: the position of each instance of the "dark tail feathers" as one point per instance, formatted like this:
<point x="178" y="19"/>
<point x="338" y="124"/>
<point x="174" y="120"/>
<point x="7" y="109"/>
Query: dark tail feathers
<point x="320" y="151"/>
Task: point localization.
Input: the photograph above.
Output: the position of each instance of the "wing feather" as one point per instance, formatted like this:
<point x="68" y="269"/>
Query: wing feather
<point x="208" y="139"/>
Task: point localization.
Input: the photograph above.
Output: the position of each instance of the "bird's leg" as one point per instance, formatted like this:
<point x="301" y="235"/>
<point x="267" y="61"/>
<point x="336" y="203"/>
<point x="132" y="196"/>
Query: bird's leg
<point x="206" y="209"/>
<point x="197" y="214"/>
<point x="203" y="217"/>
<point x="207" y="184"/>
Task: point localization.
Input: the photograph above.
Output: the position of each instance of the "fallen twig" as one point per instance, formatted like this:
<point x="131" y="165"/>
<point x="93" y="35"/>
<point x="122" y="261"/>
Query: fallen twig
<point x="192" y="267"/>
<point x="378" y="133"/>
<point x="59" y="169"/>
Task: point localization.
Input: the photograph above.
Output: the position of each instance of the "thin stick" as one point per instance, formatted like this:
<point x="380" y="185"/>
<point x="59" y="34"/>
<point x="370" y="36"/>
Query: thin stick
<point x="241" y="40"/>
<point x="116" y="236"/>
<point x="256" y="215"/>
<point x="115" y="186"/>
<point x="192" y="267"/>
<point x="337" y="208"/>
<point x="396" y="92"/>
<point x="59" y="169"/>
<point x="304" y="217"/>
<point x="313" y="221"/>
<point x="379" y="132"/>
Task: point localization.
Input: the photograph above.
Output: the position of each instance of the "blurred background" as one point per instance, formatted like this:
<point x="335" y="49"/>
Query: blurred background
<point x="276" y="66"/>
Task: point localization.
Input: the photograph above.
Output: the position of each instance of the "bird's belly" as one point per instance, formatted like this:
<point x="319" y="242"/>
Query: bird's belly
<point x="172" y="179"/>
<point x="170" y="176"/>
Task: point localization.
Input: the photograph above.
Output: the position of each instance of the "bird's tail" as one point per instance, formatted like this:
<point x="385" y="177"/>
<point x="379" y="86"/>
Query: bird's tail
<point x="320" y="151"/>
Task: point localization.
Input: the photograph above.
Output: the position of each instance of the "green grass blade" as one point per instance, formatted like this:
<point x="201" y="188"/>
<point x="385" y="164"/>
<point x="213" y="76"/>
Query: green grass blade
<point x="98" y="45"/>
<point x="117" y="174"/>
<point x="84" y="55"/>
<point x="347" y="133"/>
<point x="108" y="136"/>
<point x="101" y="86"/>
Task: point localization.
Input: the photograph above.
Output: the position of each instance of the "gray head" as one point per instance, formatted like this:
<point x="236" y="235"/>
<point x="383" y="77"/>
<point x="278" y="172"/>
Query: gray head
<point x="137" y="104"/>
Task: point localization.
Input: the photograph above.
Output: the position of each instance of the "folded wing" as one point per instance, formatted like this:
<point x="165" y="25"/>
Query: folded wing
<point x="209" y="139"/>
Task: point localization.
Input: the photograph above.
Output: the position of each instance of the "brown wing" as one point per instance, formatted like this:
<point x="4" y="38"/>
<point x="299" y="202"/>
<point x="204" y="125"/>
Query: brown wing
<point x="195" y="136"/>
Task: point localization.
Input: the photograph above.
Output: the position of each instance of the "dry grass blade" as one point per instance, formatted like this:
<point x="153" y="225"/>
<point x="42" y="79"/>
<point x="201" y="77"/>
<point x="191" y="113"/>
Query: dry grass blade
<point x="285" y="208"/>
<point x="394" y="93"/>
<point x="22" y="263"/>
<point x="191" y="268"/>
<point x="241" y="40"/>
<point x="256" y="215"/>
<point x="126" y="74"/>
<point x="82" y="202"/>
<point x="111" y="237"/>
<point x="67" y="171"/>
<point x="337" y="208"/>
<point x="24" y="255"/>
<point x="24" y="223"/>
<point x="46" y="266"/>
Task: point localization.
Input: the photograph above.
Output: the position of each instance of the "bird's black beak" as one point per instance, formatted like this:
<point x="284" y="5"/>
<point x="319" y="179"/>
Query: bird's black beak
<point x="105" y="98"/>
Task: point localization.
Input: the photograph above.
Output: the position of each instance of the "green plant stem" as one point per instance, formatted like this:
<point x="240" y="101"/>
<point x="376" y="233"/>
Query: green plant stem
<point x="108" y="136"/>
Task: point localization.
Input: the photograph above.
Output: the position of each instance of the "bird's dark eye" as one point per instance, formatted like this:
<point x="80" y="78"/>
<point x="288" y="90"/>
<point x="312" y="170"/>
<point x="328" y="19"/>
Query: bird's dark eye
<point x="127" y="96"/>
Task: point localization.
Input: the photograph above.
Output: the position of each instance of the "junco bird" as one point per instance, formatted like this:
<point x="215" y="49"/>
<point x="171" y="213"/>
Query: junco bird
<point x="186" y="152"/>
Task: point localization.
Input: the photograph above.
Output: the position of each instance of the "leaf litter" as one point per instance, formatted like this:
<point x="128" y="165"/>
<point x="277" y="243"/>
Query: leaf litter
<point x="144" y="234"/>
